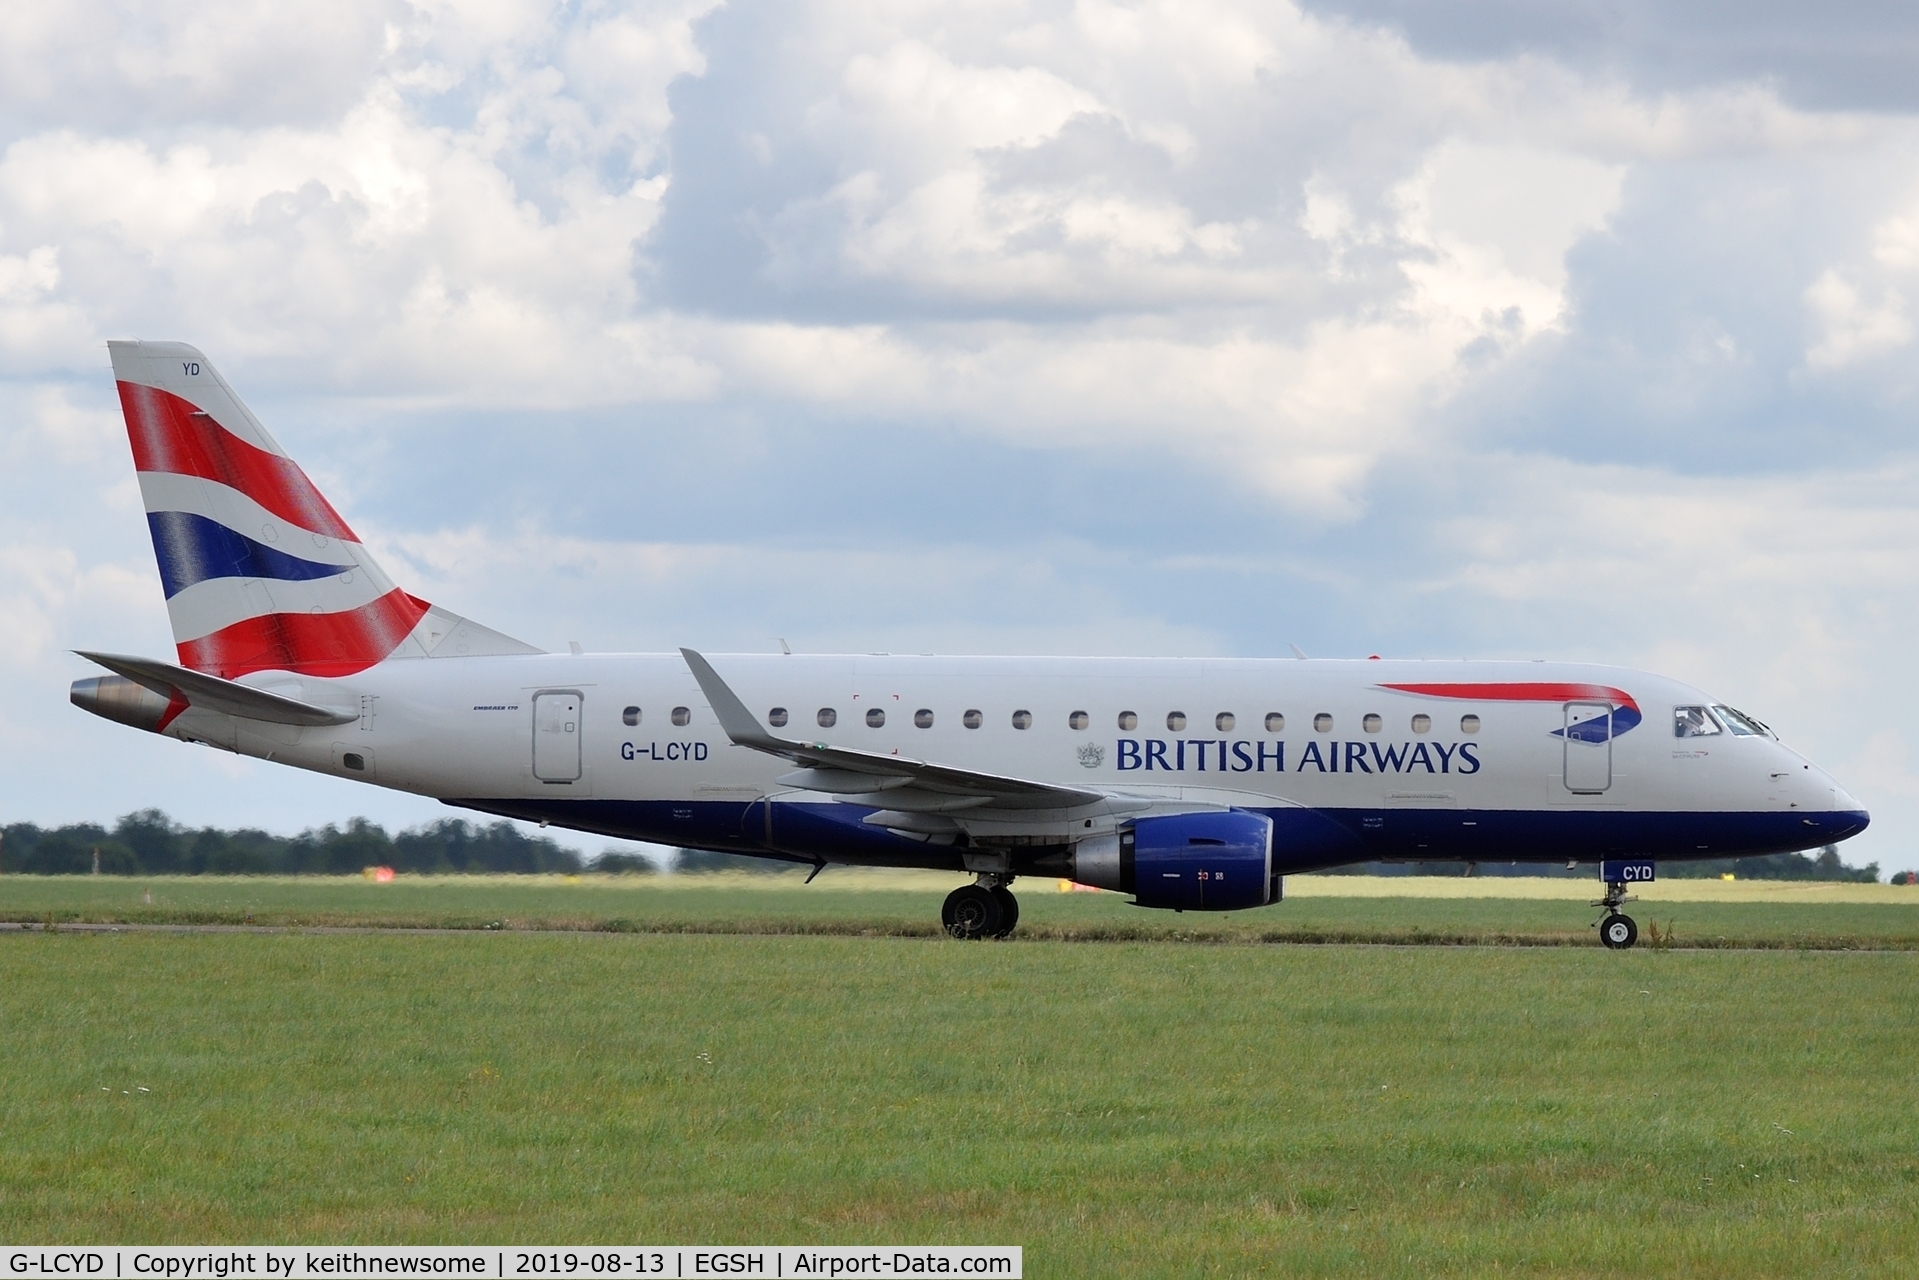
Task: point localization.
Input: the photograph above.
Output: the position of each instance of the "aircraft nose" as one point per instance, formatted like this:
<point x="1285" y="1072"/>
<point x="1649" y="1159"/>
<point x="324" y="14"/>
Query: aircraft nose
<point x="1834" y="812"/>
<point x="1850" y="814"/>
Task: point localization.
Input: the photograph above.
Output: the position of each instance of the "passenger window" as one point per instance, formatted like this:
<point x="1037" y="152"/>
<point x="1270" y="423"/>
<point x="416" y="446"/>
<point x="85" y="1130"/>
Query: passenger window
<point x="1693" y="722"/>
<point x="630" y="716"/>
<point x="923" y="719"/>
<point x="1079" y="720"/>
<point x="354" y="761"/>
<point x="1371" y="723"/>
<point x="1422" y="723"/>
<point x="1224" y="722"/>
<point x="1323" y="723"/>
<point x="972" y="719"/>
<point x="827" y="717"/>
<point x="1128" y="722"/>
<point x="681" y="717"/>
<point x="1275" y="722"/>
<point x="1741" y="724"/>
<point x="1469" y="724"/>
<point x="1176" y="721"/>
<point x="777" y="717"/>
<point x="875" y="718"/>
<point x="1022" y="719"/>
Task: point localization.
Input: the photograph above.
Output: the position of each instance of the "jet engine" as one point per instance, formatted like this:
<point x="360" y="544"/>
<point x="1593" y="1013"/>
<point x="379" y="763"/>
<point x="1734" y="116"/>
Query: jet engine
<point x="1218" y="861"/>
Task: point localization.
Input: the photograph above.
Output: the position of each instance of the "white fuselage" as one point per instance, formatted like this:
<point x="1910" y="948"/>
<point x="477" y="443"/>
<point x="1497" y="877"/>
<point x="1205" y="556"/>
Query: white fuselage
<point x="633" y="749"/>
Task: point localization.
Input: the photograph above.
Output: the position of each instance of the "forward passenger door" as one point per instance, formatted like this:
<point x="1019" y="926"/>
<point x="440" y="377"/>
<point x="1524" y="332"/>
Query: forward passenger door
<point x="1588" y="747"/>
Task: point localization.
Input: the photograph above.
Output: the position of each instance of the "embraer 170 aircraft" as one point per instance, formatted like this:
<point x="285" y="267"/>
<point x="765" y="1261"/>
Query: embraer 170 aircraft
<point x="1194" y="785"/>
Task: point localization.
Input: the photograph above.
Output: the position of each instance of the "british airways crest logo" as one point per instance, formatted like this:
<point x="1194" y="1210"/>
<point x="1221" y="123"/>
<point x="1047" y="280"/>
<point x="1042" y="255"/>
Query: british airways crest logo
<point x="1610" y="712"/>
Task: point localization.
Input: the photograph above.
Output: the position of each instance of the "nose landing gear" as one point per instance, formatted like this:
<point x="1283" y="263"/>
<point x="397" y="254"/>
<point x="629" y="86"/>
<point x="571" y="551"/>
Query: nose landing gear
<point x="985" y="909"/>
<point x="1616" y="929"/>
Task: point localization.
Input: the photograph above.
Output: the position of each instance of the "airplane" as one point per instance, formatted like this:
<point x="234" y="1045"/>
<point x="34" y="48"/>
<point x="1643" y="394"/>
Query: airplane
<point x="1190" y="784"/>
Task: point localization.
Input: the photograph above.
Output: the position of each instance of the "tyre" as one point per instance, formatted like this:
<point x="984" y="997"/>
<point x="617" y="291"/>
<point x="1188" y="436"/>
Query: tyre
<point x="1008" y="910"/>
<point x="1618" y="932"/>
<point x="971" y="912"/>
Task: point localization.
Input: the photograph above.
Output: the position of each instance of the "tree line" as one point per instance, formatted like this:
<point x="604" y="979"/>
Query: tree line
<point x="150" y="843"/>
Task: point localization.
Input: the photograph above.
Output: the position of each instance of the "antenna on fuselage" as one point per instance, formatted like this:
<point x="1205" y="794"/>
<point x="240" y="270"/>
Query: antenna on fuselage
<point x="784" y="648"/>
<point x="1297" y="652"/>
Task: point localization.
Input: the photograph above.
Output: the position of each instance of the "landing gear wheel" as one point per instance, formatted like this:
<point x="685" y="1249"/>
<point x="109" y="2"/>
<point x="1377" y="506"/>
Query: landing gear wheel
<point x="1008" y="910"/>
<point x="971" y="912"/>
<point x="1618" y="932"/>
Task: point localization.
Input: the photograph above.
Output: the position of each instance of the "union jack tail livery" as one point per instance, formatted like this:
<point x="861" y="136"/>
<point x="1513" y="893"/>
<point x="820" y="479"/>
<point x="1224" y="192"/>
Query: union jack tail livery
<point x="260" y="572"/>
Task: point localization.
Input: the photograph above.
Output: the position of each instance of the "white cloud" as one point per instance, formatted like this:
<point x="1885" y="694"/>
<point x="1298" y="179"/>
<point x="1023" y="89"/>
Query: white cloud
<point x="126" y="64"/>
<point x="55" y="427"/>
<point x="1851" y="329"/>
<point x="914" y="102"/>
<point x="497" y="255"/>
<point x="1499" y="221"/>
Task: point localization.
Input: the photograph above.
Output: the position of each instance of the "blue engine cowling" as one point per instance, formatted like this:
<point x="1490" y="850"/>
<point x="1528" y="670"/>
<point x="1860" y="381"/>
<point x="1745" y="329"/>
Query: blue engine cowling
<point x="1186" y="861"/>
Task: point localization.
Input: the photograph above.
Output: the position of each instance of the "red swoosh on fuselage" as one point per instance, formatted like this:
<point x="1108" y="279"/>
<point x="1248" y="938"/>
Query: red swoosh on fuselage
<point x="1524" y="691"/>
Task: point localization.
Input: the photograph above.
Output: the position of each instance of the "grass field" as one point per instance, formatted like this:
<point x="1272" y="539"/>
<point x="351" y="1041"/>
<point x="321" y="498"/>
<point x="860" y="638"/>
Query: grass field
<point x="1699" y="913"/>
<point x="1117" y="1108"/>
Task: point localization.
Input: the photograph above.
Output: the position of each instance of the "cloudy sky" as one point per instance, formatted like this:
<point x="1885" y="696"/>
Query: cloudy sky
<point x="1575" y="330"/>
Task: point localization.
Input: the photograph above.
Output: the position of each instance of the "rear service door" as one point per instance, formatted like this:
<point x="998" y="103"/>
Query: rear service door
<point x="556" y="736"/>
<point x="1588" y="746"/>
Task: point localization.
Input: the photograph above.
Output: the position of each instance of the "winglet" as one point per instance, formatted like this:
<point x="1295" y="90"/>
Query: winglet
<point x="740" y="724"/>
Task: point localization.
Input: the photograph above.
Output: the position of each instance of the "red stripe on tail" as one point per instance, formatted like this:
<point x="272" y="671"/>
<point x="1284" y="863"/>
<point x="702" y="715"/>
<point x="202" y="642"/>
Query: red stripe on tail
<point x="169" y="434"/>
<point x="316" y="644"/>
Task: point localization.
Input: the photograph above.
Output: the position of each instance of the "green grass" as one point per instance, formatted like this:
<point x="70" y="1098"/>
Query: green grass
<point x="1118" y="1109"/>
<point x="908" y="906"/>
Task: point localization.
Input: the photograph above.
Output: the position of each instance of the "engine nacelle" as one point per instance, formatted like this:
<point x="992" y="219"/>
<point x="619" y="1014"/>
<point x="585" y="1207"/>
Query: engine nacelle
<point x="1186" y="861"/>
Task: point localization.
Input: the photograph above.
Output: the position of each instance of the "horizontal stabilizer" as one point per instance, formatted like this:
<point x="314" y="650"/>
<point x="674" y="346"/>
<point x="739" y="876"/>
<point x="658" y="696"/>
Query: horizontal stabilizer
<point x="211" y="693"/>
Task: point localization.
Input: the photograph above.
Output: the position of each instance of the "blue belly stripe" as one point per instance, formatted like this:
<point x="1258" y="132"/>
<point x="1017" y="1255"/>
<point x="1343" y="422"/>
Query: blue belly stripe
<point x="192" y="549"/>
<point x="1303" y="839"/>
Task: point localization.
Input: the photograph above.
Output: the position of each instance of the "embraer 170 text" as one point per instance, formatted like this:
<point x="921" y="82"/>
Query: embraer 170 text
<point x="1189" y="784"/>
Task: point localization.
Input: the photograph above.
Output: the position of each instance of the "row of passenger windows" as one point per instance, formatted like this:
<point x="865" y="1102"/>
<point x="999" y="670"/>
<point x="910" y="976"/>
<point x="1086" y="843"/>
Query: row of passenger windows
<point x="1128" y="721"/>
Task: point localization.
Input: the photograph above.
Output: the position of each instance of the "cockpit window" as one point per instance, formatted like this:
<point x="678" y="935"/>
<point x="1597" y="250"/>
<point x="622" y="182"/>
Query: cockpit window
<point x="1741" y="724"/>
<point x="1694" y="722"/>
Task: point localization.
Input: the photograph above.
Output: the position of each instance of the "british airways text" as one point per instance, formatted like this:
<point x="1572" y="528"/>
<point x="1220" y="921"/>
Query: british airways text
<point x="1224" y="755"/>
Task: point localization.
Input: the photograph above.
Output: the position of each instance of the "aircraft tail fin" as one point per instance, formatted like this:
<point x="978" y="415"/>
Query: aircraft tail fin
<point x="260" y="572"/>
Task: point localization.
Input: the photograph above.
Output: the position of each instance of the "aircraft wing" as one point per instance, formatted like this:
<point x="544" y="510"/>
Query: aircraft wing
<point x="896" y="782"/>
<point x="214" y="694"/>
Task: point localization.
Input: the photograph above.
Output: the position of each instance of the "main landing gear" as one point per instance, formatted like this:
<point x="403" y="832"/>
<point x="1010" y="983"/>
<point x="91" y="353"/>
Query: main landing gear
<point x="1616" y="930"/>
<point x="986" y="909"/>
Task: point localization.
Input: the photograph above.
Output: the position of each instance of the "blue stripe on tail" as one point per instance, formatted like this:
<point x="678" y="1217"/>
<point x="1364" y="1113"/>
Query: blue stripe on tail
<point x="193" y="548"/>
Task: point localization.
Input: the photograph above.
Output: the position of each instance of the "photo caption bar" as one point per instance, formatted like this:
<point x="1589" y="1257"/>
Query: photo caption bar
<point x="501" y="1262"/>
